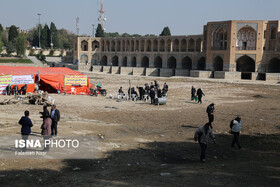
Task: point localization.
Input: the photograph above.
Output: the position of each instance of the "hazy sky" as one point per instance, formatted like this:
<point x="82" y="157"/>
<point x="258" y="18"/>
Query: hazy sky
<point x="184" y="17"/>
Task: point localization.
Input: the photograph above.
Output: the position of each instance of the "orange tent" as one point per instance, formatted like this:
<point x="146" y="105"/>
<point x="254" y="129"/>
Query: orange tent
<point x="51" y="79"/>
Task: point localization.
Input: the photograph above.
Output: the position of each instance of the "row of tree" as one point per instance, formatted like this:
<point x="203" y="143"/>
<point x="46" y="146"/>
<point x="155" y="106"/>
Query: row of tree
<point x="60" y="39"/>
<point x="100" y="33"/>
<point x="13" y="41"/>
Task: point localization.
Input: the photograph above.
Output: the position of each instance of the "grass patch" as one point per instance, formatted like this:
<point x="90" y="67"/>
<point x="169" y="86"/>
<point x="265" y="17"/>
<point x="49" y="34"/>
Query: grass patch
<point x="23" y="61"/>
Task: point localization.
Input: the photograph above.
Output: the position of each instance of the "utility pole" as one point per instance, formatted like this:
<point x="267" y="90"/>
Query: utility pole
<point x="39" y="30"/>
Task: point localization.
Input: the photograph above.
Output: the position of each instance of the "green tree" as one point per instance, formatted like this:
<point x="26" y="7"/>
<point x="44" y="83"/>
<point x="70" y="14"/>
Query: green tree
<point x="30" y="35"/>
<point x="13" y="33"/>
<point x="126" y="35"/>
<point x="35" y="41"/>
<point x="54" y="35"/>
<point x="136" y="35"/>
<point x="1" y="43"/>
<point x="45" y="37"/>
<point x="165" y="32"/>
<point x="99" y="31"/>
<point x="5" y="38"/>
<point x="10" y="48"/>
<point x="1" y="28"/>
<point x="112" y="34"/>
<point x="20" y="45"/>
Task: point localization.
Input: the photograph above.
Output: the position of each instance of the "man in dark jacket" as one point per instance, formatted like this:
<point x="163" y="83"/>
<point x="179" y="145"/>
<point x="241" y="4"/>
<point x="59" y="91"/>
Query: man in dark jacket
<point x="23" y="89"/>
<point x="165" y="89"/>
<point x="26" y="125"/>
<point x="152" y="95"/>
<point x="193" y="91"/>
<point x="15" y="90"/>
<point x="141" y="92"/>
<point x="55" y="116"/>
<point x="199" y="94"/>
<point x="210" y="111"/>
<point x="8" y="90"/>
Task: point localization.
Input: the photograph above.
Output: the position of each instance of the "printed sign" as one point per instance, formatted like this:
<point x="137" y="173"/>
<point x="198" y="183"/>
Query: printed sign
<point x="23" y="79"/>
<point x="75" y="80"/>
<point x="6" y="79"/>
<point x="3" y="89"/>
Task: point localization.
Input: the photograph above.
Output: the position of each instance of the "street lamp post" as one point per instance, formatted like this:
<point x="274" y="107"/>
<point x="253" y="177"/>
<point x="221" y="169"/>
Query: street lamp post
<point x="51" y="41"/>
<point x="39" y="30"/>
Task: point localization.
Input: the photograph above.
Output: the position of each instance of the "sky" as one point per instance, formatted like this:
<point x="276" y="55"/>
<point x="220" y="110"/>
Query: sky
<point x="183" y="17"/>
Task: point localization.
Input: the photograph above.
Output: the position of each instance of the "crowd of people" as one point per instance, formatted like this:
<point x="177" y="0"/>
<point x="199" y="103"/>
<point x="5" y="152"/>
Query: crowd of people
<point x="146" y="92"/>
<point x="15" y="90"/>
<point x="152" y="91"/>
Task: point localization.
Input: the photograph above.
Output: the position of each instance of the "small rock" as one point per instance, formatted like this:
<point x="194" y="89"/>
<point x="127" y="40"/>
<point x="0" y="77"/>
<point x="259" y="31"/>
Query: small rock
<point x="2" y="175"/>
<point x="128" y="164"/>
<point x="76" y="169"/>
<point x="215" y="157"/>
<point x="163" y="165"/>
<point x="223" y="165"/>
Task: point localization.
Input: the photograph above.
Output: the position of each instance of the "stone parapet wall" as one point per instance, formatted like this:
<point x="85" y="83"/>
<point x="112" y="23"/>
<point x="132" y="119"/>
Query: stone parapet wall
<point x="227" y="75"/>
<point x="166" y="72"/>
<point x="200" y="74"/>
<point x="181" y="72"/>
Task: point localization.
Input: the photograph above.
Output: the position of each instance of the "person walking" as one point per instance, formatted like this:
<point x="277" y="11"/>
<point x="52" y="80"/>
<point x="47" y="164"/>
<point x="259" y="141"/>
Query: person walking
<point x="26" y="125"/>
<point x="199" y="94"/>
<point x="47" y="130"/>
<point x="210" y="111"/>
<point x="55" y="116"/>
<point x="165" y="89"/>
<point x="202" y="135"/>
<point x="193" y="91"/>
<point x="235" y="129"/>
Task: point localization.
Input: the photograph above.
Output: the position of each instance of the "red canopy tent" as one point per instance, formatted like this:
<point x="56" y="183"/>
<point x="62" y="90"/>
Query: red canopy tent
<point x="51" y="79"/>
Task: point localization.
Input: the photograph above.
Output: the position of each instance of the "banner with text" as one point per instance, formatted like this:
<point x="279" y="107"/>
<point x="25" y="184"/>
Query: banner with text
<point x="23" y="79"/>
<point x="6" y="79"/>
<point x="2" y="89"/>
<point x="75" y="80"/>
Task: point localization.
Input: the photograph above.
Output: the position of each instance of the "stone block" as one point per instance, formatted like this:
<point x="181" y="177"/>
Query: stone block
<point x="139" y="71"/>
<point x="167" y="72"/>
<point x="201" y="74"/>
<point x="126" y="70"/>
<point x="227" y="75"/>
<point x="152" y="72"/>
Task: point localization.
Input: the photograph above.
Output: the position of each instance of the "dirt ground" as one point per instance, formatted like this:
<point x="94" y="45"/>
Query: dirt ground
<point x="143" y="142"/>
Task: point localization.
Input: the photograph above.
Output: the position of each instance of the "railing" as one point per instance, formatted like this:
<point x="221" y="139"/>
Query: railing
<point x="245" y="48"/>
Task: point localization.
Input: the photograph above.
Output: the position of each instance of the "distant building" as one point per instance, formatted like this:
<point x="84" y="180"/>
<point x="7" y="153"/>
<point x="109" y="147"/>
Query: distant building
<point x="226" y="49"/>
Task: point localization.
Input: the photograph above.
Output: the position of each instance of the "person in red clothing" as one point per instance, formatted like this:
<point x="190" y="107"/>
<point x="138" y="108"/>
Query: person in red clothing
<point x="47" y="130"/>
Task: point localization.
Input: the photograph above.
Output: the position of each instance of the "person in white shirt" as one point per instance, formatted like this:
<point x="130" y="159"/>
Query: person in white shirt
<point x="235" y="129"/>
